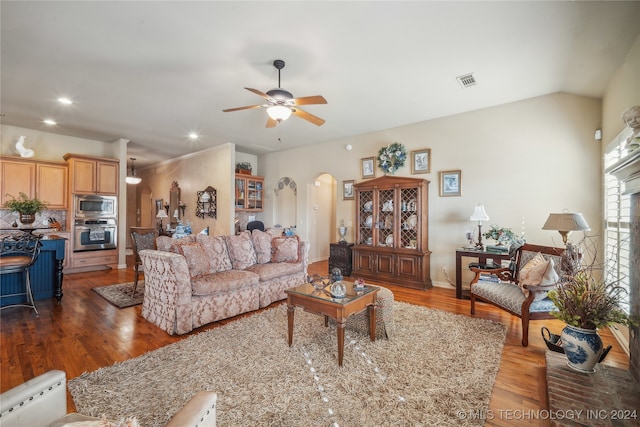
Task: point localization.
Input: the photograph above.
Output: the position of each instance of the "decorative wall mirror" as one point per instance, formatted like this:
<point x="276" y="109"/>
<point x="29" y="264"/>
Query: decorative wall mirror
<point x="206" y="203"/>
<point x="174" y="204"/>
<point x="285" y="203"/>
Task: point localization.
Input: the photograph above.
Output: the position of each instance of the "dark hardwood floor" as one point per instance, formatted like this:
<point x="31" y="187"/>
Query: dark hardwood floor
<point x="85" y="332"/>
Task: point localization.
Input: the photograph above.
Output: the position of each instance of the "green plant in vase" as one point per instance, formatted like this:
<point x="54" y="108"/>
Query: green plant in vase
<point x="26" y="206"/>
<point x="503" y="236"/>
<point x="586" y="302"/>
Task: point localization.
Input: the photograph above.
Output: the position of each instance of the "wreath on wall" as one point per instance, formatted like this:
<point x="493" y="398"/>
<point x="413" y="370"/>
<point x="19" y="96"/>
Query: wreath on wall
<point x="392" y="157"/>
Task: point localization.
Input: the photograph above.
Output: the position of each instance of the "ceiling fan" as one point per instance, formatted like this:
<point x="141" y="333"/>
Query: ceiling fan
<point x="281" y="103"/>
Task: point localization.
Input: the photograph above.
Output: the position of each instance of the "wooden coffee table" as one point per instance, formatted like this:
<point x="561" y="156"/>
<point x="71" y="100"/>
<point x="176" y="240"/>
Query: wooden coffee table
<point x="321" y="302"/>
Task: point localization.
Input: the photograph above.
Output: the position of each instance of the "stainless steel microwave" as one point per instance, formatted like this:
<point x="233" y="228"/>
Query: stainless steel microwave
<point x="92" y="206"/>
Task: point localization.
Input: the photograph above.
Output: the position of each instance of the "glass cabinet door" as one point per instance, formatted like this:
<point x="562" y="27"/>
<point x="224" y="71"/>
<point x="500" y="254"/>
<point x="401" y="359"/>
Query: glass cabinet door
<point x="254" y="194"/>
<point x="240" y="193"/>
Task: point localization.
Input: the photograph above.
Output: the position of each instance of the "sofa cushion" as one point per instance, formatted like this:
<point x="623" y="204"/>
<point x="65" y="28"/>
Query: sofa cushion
<point x="286" y="249"/>
<point x="197" y="259"/>
<point x="262" y="245"/>
<point x="168" y="244"/>
<point x="217" y="252"/>
<point x="241" y="250"/>
<point x="274" y="270"/>
<point x="223" y="281"/>
<point x="163" y="243"/>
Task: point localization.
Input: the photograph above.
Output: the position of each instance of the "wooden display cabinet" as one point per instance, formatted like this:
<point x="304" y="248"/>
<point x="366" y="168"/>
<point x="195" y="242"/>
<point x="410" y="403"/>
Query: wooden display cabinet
<point x="392" y="231"/>
<point x="248" y="193"/>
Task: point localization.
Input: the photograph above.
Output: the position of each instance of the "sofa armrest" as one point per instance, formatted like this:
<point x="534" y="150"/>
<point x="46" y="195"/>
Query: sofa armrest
<point x="35" y="403"/>
<point x="200" y="411"/>
<point x="167" y="291"/>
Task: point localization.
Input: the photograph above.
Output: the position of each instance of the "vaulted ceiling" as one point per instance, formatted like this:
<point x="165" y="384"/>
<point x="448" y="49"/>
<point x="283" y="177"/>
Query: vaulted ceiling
<point x="152" y="72"/>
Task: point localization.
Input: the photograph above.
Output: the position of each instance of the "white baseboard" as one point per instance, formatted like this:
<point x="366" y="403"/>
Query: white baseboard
<point x="621" y="333"/>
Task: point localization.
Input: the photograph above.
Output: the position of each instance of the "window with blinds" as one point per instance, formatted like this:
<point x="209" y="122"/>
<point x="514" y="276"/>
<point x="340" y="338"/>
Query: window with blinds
<point x="617" y="218"/>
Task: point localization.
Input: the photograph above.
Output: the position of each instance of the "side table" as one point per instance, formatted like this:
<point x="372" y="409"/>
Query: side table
<point x="340" y="256"/>
<point x="481" y="256"/>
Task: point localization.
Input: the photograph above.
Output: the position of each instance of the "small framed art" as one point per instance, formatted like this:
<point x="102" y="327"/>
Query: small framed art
<point x="450" y="183"/>
<point x="421" y="161"/>
<point x="368" y="167"/>
<point x="347" y="190"/>
<point x="159" y="205"/>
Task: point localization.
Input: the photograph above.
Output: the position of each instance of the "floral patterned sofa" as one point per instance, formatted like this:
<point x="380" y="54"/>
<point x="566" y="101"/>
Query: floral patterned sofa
<point x="196" y="280"/>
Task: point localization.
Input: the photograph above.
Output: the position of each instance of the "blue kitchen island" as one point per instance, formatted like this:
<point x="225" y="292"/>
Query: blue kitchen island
<point x="46" y="275"/>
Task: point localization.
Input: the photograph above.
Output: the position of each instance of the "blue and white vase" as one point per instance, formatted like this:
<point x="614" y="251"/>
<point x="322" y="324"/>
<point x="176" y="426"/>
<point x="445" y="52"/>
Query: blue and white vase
<point x="583" y="348"/>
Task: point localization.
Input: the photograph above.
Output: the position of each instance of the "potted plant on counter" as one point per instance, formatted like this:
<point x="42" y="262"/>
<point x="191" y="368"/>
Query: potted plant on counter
<point x="27" y="207"/>
<point x="586" y="303"/>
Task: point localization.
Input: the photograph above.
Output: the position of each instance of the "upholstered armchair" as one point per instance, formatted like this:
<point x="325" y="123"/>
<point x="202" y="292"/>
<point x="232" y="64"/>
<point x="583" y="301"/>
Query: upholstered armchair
<point x="42" y="402"/>
<point x="521" y="290"/>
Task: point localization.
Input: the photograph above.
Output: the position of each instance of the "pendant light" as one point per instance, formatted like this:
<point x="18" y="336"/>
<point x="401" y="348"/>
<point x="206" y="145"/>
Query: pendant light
<point x="133" y="178"/>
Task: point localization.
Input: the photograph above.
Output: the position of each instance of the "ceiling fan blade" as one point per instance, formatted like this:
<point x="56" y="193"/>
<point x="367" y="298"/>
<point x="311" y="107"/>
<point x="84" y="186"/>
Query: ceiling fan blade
<point x="259" y="93"/>
<point x="243" y="108"/>
<point x="308" y="116"/>
<point x="271" y="123"/>
<point x="307" y="100"/>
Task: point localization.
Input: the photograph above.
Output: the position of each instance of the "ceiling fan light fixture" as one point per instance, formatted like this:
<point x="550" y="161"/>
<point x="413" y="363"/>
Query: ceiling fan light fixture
<point x="279" y="112"/>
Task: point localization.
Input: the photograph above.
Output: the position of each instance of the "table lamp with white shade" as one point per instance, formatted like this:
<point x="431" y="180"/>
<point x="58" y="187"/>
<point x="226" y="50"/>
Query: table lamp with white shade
<point x="161" y="215"/>
<point x="479" y="214"/>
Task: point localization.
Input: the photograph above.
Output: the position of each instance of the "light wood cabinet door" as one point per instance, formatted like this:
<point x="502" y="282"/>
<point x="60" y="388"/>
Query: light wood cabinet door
<point x="52" y="185"/>
<point x="89" y="176"/>
<point x="107" y="178"/>
<point x="84" y="176"/>
<point x="17" y="177"/>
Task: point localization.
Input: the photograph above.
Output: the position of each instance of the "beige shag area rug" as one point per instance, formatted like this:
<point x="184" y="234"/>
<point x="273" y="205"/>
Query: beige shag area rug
<point x="120" y="295"/>
<point x="436" y="365"/>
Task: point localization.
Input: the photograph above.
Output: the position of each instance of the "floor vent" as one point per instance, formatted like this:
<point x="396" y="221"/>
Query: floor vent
<point x="466" y="80"/>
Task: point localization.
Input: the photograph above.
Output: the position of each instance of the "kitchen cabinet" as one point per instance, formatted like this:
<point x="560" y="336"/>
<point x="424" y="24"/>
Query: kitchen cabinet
<point x="47" y="181"/>
<point x="391" y="231"/>
<point x="93" y="175"/>
<point x="248" y="193"/>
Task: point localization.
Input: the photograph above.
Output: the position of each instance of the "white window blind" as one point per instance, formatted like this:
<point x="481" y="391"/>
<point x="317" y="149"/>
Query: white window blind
<point x="617" y="218"/>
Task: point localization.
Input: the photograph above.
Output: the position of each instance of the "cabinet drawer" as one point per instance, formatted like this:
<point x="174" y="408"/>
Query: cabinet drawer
<point x="95" y="260"/>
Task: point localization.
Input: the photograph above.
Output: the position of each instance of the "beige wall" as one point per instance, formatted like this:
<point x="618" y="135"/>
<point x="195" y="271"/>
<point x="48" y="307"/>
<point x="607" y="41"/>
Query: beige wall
<point x="50" y="146"/>
<point x="194" y="172"/>
<point x="521" y="160"/>
<point x="623" y="92"/>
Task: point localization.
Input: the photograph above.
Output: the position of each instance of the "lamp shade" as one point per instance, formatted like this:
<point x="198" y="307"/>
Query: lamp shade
<point x="479" y="214"/>
<point x="279" y="112"/>
<point x="566" y="222"/>
<point x="162" y="214"/>
<point x="133" y="178"/>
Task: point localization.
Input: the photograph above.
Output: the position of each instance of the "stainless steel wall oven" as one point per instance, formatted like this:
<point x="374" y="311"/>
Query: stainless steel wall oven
<point x="92" y="234"/>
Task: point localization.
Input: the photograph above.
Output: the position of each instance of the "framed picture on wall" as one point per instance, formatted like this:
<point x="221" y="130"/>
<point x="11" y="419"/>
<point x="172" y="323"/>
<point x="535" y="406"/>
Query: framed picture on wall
<point x="421" y="161"/>
<point x="368" y="167"/>
<point x="450" y="183"/>
<point x="158" y="205"/>
<point x="347" y="190"/>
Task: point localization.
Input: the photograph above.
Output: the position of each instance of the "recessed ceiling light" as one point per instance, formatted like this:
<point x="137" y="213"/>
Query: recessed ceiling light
<point x="49" y="122"/>
<point x="193" y="135"/>
<point x="65" y="100"/>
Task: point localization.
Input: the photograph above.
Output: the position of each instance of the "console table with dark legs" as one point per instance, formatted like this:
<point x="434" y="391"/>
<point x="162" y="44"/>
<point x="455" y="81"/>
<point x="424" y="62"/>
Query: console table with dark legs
<point x="482" y="257"/>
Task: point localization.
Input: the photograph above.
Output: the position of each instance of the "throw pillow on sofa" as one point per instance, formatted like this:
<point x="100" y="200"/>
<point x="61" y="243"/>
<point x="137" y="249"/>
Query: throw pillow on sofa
<point x="197" y="259"/>
<point x="262" y="245"/>
<point x="286" y="249"/>
<point x="217" y="252"/>
<point x="241" y="250"/>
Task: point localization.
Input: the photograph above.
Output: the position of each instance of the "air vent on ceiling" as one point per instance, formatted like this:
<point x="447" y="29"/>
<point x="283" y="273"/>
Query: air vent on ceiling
<point x="466" y="80"/>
